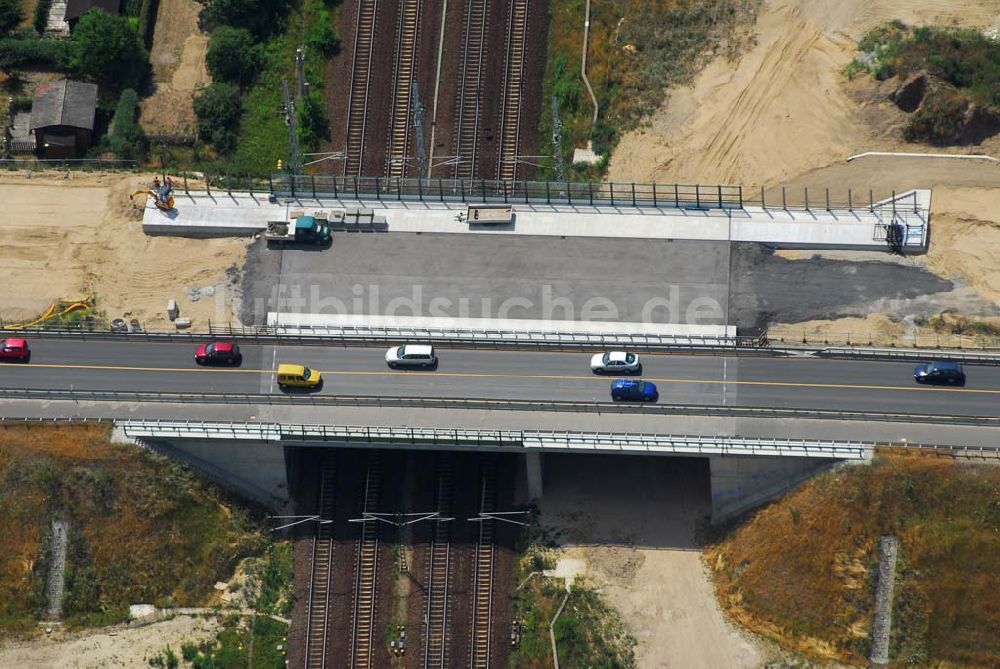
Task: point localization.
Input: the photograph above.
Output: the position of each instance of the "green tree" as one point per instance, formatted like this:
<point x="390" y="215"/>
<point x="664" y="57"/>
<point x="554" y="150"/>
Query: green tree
<point x="10" y="16"/>
<point x="232" y="56"/>
<point x="110" y="50"/>
<point x="127" y="138"/>
<point x="261" y="17"/>
<point x="218" y="110"/>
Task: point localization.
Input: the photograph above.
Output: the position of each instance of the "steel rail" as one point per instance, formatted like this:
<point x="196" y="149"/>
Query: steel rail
<point x="321" y="573"/>
<point x="404" y="72"/>
<point x="361" y="68"/>
<point x="466" y="134"/>
<point x="510" y="106"/>
<point x="482" y="586"/>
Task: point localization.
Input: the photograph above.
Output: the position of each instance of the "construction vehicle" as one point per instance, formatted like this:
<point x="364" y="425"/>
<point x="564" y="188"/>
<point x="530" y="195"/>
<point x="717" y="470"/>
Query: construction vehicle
<point x="162" y="196"/>
<point x="300" y="230"/>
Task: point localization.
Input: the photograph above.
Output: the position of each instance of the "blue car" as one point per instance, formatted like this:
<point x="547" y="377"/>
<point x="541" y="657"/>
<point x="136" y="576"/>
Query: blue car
<point x="635" y="390"/>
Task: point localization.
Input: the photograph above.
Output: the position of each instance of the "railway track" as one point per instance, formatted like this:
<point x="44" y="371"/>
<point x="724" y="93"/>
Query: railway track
<point x="365" y="573"/>
<point x="319" y="586"/>
<point x="404" y="71"/>
<point x="357" y="106"/>
<point x="439" y="574"/>
<point x="510" y="119"/>
<point x="469" y="90"/>
<point x="482" y="592"/>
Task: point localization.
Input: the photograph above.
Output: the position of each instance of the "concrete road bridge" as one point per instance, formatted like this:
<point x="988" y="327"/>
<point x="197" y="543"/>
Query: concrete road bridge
<point x="764" y="420"/>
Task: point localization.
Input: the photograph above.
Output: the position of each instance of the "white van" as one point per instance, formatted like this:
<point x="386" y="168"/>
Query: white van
<point x="411" y="355"/>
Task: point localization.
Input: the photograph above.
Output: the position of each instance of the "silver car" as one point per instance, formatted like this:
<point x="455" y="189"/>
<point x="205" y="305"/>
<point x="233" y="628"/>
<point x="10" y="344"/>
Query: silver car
<point x="411" y="355"/>
<point x="616" y="362"/>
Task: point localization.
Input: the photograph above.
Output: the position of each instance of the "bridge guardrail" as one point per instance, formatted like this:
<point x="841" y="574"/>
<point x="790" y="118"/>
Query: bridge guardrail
<point x="492" y="404"/>
<point x="521" y="439"/>
<point x="758" y="344"/>
<point x="234" y="429"/>
<point x="978" y="357"/>
<point x="466" y="338"/>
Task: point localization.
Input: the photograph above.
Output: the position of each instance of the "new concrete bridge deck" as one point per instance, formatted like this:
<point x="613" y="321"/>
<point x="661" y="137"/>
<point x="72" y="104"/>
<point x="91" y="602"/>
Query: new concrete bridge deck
<point x="221" y="213"/>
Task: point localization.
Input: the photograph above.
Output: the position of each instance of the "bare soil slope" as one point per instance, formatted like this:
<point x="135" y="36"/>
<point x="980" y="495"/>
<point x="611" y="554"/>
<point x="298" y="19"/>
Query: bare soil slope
<point x="64" y="238"/>
<point x="802" y="571"/>
<point x="785" y="107"/>
<point x="109" y="647"/>
<point x="178" y="58"/>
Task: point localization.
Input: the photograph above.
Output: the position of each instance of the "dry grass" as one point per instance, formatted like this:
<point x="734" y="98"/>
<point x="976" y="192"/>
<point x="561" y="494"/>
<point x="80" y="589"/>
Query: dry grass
<point x="142" y="529"/>
<point x="802" y="570"/>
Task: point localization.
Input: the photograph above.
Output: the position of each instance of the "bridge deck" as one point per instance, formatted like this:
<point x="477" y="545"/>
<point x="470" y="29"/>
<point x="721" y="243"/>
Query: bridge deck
<point x="859" y="228"/>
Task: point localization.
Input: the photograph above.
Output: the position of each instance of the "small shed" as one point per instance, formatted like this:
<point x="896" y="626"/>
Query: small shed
<point x="77" y="8"/>
<point x="62" y="118"/>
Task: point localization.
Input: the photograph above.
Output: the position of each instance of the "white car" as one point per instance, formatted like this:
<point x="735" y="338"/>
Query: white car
<point x="616" y="362"/>
<point x="411" y="355"/>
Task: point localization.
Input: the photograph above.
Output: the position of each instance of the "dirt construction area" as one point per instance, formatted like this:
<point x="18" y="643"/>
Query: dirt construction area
<point x="784" y="114"/>
<point x="632" y="521"/>
<point x="110" y="647"/>
<point x="65" y="238"/>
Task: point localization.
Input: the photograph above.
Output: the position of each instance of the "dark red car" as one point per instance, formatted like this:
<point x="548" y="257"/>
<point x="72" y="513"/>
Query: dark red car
<point x="218" y="353"/>
<point x="14" y="349"/>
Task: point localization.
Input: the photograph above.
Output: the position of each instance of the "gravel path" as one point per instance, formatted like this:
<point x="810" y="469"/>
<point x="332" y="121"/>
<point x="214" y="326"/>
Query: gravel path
<point x="882" y="624"/>
<point x="57" y="569"/>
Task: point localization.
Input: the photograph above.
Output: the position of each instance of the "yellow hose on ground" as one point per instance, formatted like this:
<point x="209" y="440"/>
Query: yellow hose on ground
<point x="58" y="308"/>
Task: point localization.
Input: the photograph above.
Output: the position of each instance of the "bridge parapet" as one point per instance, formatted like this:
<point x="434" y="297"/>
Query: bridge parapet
<point x="510" y="440"/>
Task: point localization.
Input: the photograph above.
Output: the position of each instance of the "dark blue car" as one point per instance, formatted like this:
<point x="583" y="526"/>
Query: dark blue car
<point x="940" y="372"/>
<point x="635" y="390"/>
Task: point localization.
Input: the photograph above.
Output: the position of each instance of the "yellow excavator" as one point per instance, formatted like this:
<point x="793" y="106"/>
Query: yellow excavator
<point x="162" y="196"/>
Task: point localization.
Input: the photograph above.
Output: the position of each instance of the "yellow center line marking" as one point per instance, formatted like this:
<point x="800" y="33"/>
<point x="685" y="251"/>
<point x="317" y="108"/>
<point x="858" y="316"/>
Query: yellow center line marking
<point x="499" y="375"/>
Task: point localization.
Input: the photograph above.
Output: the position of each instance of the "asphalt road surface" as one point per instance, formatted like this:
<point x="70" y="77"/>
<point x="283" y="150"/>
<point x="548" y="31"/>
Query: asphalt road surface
<point x="710" y="380"/>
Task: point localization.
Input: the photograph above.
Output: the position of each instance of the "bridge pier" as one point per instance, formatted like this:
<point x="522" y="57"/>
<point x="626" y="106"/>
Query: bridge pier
<point x="740" y="483"/>
<point x="532" y="465"/>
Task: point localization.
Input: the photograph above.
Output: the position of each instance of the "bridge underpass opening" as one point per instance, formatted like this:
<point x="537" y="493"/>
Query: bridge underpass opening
<point x="377" y="574"/>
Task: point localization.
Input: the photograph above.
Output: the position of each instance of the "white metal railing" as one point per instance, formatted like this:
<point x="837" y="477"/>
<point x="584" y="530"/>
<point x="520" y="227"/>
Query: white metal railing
<point x="596" y="442"/>
<point x="499" y="336"/>
<point x="984" y="357"/>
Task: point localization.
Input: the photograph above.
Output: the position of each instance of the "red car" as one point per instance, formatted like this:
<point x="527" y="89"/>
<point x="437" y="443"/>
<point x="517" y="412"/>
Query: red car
<point x="14" y="349"/>
<point x="218" y="353"/>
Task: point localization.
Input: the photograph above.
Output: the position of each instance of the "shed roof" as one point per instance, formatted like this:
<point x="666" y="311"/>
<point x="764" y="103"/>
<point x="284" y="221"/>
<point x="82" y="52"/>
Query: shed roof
<point x="68" y="103"/>
<point x="77" y="8"/>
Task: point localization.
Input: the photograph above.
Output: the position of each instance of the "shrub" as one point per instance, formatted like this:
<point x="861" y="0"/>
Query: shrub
<point x="10" y="15"/>
<point x="189" y="651"/>
<point x="566" y="84"/>
<point x="110" y="50"/>
<point x="261" y="17"/>
<point x="41" y="18"/>
<point x="171" y="658"/>
<point x="57" y="54"/>
<point x="963" y="57"/>
<point x="939" y="119"/>
<point x="232" y="56"/>
<point x="313" y="124"/>
<point x="322" y="36"/>
<point x="218" y="110"/>
<point x="127" y="138"/>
